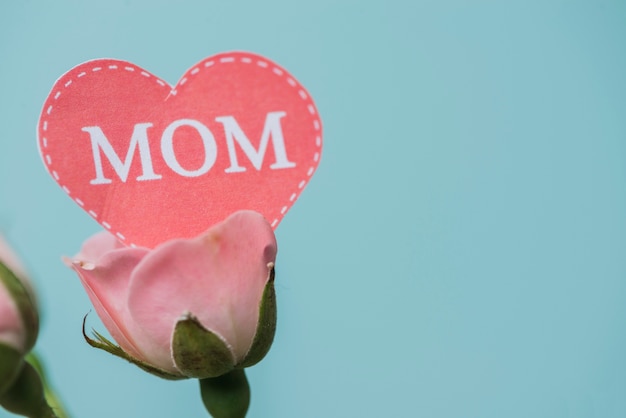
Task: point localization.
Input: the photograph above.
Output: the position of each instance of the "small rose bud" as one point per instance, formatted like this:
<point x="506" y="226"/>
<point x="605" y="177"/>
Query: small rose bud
<point x="199" y="307"/>
<point x="19" y="319"/>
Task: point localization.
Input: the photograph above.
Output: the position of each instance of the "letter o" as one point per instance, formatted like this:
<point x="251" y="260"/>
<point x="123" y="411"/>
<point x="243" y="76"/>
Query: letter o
<point x="167" y="147"/>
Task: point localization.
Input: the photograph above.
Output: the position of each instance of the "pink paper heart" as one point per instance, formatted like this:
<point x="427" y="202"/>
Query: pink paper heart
<point x="151" y="162"/>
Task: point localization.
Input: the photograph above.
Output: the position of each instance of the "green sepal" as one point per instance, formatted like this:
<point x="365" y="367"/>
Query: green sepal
<point x="11" y="362"/>
<point x="26" y="395"/>
<point x="198" y="352"/>
<point x="226" y="396"/>
<point x="266" y="328"/>
<point x="103" y="343"/>
<point x="25" y="305"/>
<point x="49" y="394"/>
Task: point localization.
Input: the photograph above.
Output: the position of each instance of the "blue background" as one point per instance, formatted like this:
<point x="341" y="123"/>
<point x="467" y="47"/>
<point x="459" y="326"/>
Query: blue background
<point x="460" y="251"/>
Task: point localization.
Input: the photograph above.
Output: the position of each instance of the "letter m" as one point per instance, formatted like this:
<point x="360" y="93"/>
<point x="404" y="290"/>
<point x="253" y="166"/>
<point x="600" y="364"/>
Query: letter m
<point x="271" y="129"/>
<point x="139" y="139"/>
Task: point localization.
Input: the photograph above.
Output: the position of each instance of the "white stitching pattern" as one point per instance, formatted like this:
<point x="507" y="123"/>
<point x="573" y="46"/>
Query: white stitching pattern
<point x="209" y="63"/>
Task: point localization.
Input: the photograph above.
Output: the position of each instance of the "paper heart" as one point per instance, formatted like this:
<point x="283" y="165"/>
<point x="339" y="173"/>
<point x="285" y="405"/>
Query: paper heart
<point x="151" y="162"/>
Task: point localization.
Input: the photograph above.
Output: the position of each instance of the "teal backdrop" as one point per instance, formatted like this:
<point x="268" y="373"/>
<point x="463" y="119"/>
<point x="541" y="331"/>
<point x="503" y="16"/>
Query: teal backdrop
<point x="459" y="253"/>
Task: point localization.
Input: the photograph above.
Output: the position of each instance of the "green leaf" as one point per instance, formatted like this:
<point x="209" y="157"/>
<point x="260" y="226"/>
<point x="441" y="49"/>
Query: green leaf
<point x="49" y="394"/>
<point x="266" y="328"/>
<point x="199" y="352"/>
<point x="11" y="362"/>
<point x="25" y="304"/>
<point x="226" y="396"/>
<point x="103" y="343"/>
<point x="26" y="395"/>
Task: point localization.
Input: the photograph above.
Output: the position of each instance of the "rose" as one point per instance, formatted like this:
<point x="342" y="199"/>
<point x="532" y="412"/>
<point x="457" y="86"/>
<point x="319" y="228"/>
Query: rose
<point x="199" y="307"/>
<point x="21" y="389"/>
<point x="19" y="318"/>
<point x="203" y="307"/>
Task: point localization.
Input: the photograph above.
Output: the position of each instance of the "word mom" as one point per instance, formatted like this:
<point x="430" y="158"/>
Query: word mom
<point x="232" y="131"/>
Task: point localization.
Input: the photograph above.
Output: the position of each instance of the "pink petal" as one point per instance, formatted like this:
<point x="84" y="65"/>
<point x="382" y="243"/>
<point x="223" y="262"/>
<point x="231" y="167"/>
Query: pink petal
<point x="105" y="274"/>
<point x="98" y="245"/>
<point x="218" y="277"/>
<point x="12" y="331"/>
<point x="9" y="259"/>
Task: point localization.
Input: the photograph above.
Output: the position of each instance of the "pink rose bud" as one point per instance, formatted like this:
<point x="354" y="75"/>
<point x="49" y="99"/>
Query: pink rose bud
<point x="19" y="319"/>
<point x="198" y="307"/>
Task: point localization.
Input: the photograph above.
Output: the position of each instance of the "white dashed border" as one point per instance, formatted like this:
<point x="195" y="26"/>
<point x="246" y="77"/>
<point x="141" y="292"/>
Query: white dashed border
<point x="234" y="57"/>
